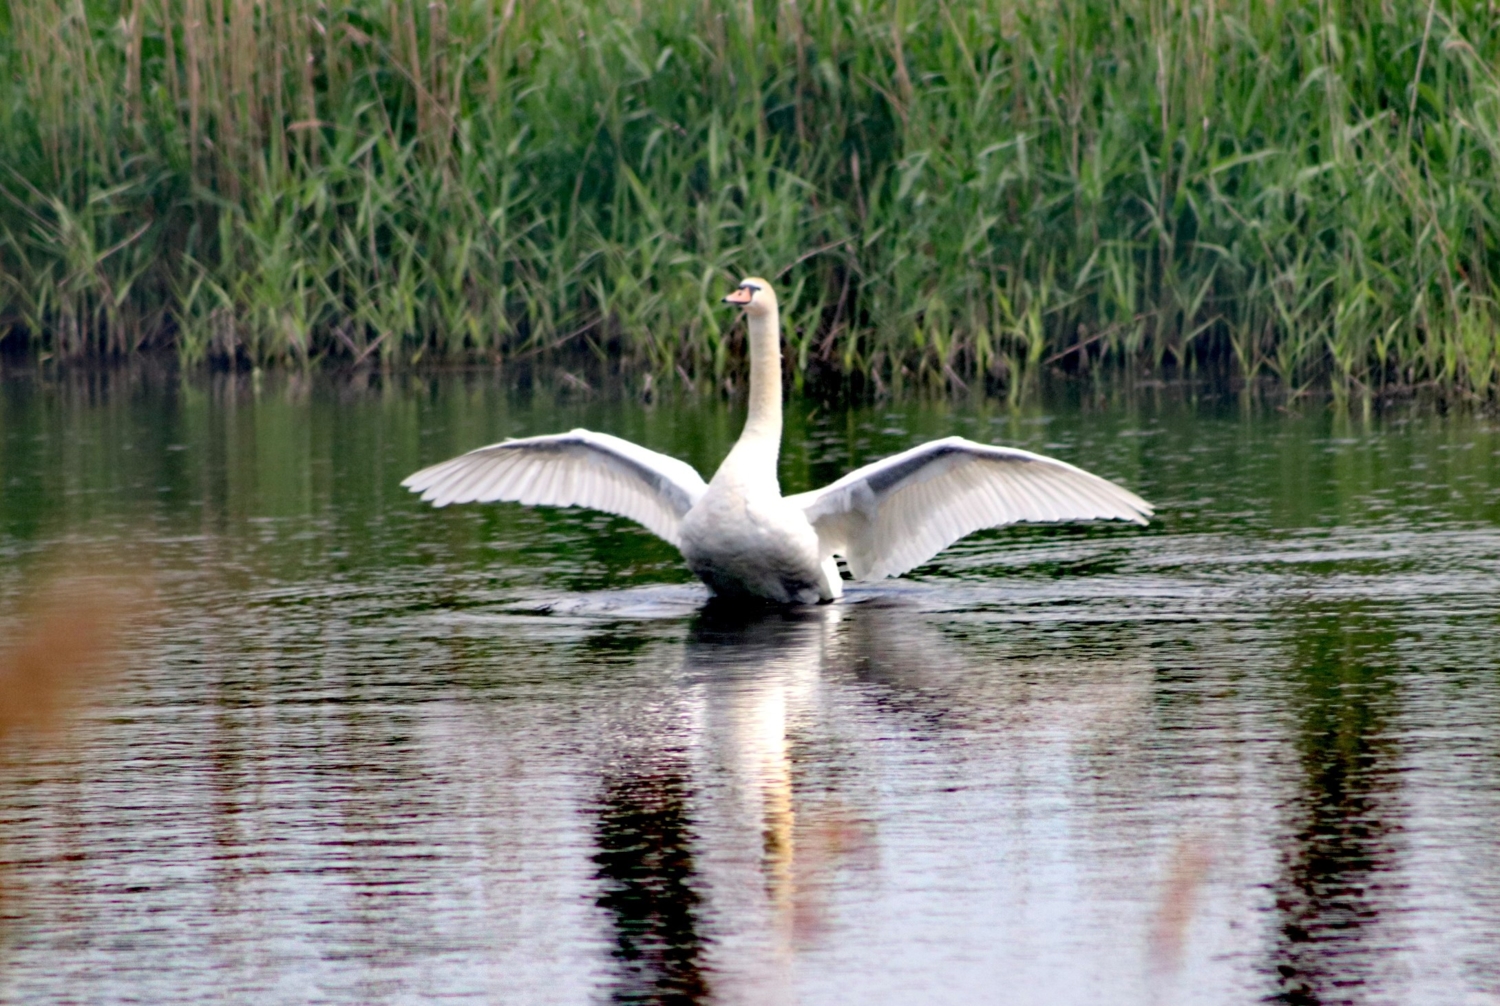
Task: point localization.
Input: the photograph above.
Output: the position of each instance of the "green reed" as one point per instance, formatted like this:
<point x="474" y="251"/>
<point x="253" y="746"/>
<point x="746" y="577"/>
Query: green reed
<point x="947" y="193"/>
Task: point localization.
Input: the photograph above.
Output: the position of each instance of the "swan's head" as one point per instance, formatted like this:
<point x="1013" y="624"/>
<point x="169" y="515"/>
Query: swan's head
<point x="755" y="296"/>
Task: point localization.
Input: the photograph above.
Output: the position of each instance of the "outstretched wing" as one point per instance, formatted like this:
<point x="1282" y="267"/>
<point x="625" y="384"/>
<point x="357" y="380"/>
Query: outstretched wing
<point x="578" y="468"/>
<point x="890" y="516"/>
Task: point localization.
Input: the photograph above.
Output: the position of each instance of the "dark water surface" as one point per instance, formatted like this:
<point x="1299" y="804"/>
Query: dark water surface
<point x="372" y="752"/>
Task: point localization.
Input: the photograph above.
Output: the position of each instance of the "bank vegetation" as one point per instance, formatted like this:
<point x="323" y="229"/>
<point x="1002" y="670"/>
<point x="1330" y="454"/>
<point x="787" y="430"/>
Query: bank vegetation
<point x="948" y="193"/>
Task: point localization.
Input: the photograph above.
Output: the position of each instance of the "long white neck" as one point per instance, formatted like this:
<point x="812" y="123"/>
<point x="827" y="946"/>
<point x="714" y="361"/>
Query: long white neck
<point x="764" y="419"/>
<point x="752" y="462"/>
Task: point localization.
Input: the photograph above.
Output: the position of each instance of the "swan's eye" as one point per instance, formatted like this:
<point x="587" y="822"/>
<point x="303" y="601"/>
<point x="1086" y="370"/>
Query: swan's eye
<point x="750" y="286"/>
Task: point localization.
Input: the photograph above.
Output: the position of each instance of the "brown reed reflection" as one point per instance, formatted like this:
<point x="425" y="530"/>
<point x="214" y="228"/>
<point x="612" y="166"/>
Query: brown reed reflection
<point x="65" y="646"/>
<point x="66" y="642"/>
<point x="1187" y="869"/>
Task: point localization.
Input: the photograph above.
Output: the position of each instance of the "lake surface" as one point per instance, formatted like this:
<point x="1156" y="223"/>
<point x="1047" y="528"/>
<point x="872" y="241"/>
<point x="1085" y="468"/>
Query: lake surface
<point x="365" y="751"/>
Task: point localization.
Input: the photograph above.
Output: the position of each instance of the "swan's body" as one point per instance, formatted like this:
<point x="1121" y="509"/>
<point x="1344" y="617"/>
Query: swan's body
<point x="740" y="535"/>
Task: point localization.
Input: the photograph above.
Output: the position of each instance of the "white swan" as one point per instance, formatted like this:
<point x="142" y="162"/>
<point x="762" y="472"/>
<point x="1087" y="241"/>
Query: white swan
<point x="740" y="535"/>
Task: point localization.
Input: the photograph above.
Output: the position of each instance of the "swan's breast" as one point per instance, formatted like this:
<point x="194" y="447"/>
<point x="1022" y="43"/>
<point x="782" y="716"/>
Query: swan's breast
<point x="740" y="544"/>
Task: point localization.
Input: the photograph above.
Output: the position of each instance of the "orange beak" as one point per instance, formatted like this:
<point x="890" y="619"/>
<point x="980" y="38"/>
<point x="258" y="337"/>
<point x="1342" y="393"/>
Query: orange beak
<point x="740" y="296"/>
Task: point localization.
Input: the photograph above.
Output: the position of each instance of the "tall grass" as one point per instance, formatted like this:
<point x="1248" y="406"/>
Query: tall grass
<point x="947" y="192"/>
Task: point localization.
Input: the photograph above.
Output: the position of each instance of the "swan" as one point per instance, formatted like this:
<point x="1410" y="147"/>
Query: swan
<point x="740" y="535"/>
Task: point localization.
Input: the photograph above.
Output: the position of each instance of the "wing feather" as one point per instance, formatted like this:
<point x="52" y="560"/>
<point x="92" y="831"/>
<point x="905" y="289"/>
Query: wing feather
<point x="579" y="468"/>
<point x="890" y="516"/>
<point x="475" y="485"/>
<point x="468" y="485"/>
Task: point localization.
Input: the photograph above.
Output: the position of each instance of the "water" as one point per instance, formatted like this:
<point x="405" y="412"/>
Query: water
<point x="365" y="751"/>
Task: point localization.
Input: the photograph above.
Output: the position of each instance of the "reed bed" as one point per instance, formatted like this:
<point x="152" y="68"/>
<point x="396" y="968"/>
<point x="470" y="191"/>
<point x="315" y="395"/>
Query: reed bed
<point x="948" y="193"/>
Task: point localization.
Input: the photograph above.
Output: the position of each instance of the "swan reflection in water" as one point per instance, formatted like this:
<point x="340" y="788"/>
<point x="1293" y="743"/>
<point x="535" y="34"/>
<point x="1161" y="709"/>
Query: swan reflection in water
<point x="734" y="809"/>
<point x="748" y="680"/>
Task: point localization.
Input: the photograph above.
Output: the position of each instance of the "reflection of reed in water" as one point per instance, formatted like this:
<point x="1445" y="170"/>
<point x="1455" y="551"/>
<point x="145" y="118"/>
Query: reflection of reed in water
<point x="646" y="865"/>
<point x="1344" y="820"/>
<point x="644" y="837"/>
